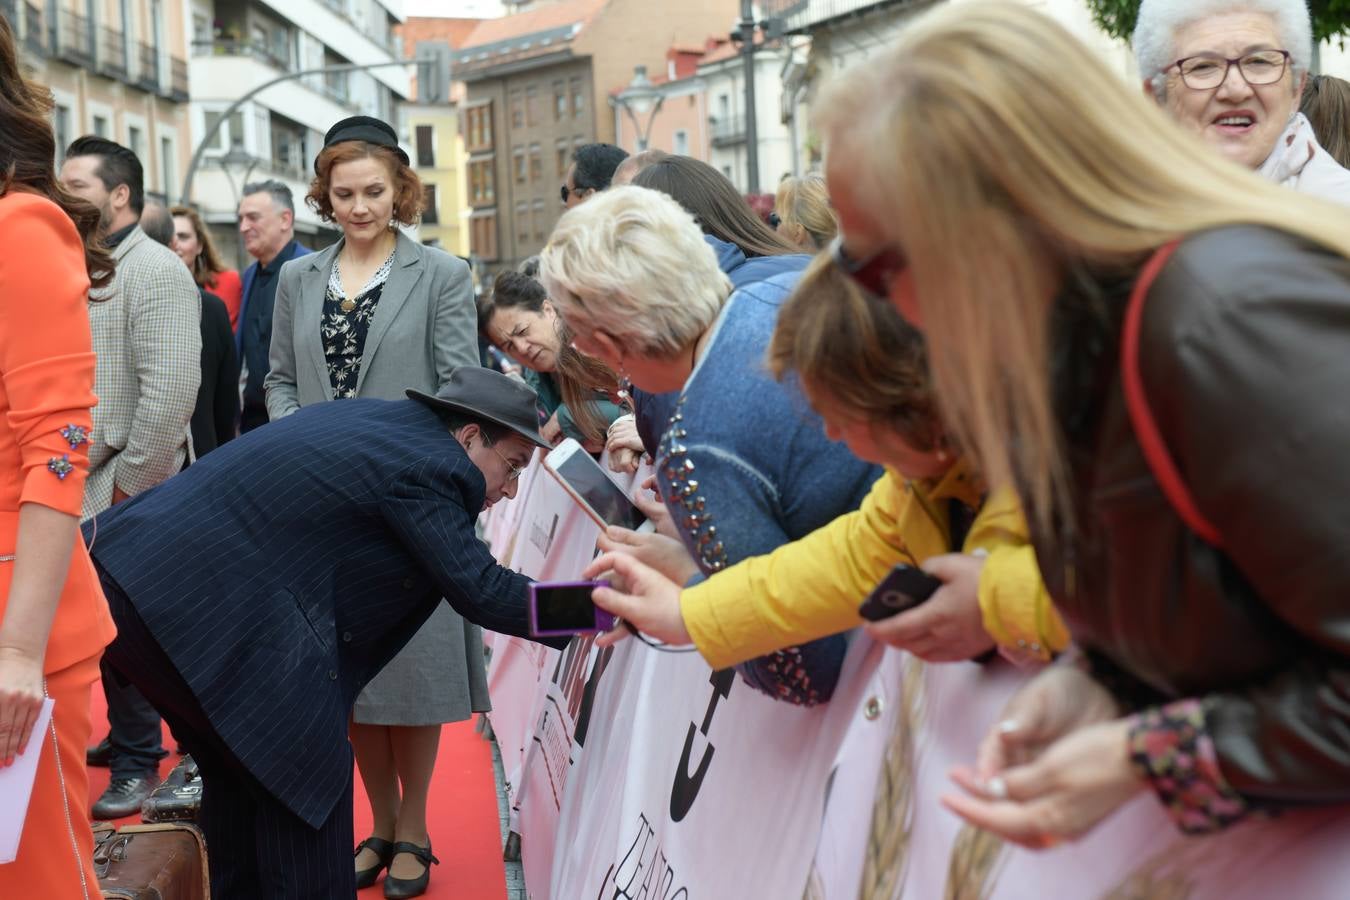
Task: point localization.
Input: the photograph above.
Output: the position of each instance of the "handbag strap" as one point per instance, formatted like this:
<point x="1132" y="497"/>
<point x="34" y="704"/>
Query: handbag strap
<point x="1146" y="431"/>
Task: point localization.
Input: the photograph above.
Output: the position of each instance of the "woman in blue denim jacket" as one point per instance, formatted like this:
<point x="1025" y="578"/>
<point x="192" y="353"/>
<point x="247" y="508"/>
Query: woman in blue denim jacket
<point x="747" y="249"/>
<point x="745" y="465"/>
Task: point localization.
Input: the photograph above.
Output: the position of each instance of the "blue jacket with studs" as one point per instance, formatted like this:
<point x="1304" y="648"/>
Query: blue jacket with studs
<point x="745" y="467"/>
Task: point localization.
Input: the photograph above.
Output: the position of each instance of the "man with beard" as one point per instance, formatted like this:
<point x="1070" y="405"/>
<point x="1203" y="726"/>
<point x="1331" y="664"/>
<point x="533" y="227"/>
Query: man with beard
<point x="148" y="342"/>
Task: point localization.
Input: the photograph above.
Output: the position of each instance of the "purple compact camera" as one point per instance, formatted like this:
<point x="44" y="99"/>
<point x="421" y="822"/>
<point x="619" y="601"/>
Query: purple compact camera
<point x="565" y="608"/>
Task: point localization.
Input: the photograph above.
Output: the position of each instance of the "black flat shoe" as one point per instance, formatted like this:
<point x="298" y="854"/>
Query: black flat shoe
<point x="396" y="888"/>
<point x="383" y="850"/>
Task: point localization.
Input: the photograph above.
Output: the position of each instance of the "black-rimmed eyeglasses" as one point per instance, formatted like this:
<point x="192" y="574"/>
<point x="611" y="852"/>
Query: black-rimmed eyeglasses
<point x="1205" y="71"/>
<point x="873" y="273"/>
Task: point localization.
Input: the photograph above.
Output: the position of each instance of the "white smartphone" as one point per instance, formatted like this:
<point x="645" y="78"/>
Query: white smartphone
<point x="590" y="486"/>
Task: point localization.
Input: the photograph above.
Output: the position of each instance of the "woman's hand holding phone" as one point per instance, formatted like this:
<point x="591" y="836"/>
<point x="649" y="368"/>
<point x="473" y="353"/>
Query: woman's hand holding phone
<point x="948" y="626"/>
<point x="649" y="601"/>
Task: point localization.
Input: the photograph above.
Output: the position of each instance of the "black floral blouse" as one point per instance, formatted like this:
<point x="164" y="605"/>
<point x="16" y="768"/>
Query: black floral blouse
<point x="344" y="325"/>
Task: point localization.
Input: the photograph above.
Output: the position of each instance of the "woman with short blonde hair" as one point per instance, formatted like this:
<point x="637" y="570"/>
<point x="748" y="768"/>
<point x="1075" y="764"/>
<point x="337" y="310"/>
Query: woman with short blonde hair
<point x="744" y="466"/>
<point x="631" y="265"/>
<point x="804" y="214"/>
<point x="1017" y="258"/>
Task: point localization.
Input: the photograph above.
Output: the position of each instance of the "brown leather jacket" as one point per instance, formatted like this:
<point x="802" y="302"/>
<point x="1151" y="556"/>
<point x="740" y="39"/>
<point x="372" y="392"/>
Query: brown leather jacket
<point x="1245" y="356"/>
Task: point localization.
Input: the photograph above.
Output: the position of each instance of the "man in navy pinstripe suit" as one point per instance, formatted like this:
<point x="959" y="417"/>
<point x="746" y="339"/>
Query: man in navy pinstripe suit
<point x="257" y="592"/>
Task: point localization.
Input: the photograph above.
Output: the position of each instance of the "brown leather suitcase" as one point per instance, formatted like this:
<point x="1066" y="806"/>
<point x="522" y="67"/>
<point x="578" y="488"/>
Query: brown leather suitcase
<point x="151" y="862"/>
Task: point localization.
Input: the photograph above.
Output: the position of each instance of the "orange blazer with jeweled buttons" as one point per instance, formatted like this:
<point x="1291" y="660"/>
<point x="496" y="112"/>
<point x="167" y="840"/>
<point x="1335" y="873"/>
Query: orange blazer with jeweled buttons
<point x="46" y="394"/>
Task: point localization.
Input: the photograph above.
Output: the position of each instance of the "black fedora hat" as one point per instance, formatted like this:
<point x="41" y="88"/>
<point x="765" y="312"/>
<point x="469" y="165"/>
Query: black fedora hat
<point x="489" y="395"/>
<point x="363" y="128"/>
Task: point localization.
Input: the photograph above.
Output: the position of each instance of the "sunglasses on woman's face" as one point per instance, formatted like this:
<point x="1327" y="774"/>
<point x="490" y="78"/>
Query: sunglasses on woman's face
<point x="873" y="273"/>
<point x="566" y="192"/>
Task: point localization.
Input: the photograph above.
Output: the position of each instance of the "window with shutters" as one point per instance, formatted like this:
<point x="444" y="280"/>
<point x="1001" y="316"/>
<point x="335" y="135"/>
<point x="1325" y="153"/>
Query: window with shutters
<point x="536" y="163"/>
<point x="578" y="97"/>
<point x="430" y="211"/>
<point x="481" y="183"/>
<point x="483" y="236"/>
<point x="426" y="147"/>
<point x="540" y="220"/>
<point x="478" y="128"/>
<point x="532" y="105"/>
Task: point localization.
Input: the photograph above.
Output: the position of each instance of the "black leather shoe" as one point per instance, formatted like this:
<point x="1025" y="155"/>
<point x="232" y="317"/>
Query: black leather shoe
<point x="385" y="853"/>
<point x="99" y="755"/>
<point x="124" y="797"/>
<point x="395" y="888"/>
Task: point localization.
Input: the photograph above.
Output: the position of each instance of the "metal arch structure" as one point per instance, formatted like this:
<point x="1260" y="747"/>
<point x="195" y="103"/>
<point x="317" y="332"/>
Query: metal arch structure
<point x="185" y="196"/>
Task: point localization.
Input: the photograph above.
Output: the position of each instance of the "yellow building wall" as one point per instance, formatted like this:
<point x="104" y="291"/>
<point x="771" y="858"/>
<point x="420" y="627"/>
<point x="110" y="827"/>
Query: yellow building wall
<point x="448" y="175"/>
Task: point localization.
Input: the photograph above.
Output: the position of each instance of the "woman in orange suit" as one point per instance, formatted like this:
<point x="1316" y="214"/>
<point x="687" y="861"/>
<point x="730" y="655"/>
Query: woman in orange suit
<point x="54" y="622"/>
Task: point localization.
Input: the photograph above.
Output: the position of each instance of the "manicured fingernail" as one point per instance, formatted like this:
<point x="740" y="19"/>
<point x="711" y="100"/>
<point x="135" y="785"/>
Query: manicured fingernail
<point x="1008" y="726"/>
<point x="996" y="788"/>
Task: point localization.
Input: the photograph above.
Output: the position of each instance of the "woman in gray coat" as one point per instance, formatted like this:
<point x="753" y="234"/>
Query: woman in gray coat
<point x="372" y="316"/>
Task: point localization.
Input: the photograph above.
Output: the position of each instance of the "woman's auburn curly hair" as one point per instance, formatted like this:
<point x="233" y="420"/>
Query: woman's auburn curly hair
<point x="408" y="197"/>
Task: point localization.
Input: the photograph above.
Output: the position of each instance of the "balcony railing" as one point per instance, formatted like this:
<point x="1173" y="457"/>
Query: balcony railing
<point x="112" y="53"/>
<point x="803" y="15"/>
<point x="241" y="48"/>
<point x="178" y="79"/>
<point x="32" y="28"/>
<point x="147" y="68"/>
<point x="727" y="130"/>
<point x="73" y="39"/>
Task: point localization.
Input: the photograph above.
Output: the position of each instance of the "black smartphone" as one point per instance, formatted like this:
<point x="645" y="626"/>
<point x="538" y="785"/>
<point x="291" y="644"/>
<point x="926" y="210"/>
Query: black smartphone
<point x="565" y="608"/>
<point x="905" y="588"/>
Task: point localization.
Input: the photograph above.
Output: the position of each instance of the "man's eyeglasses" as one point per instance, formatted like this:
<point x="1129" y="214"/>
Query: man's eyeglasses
<point x="1206" y="72"/>
<point x="512" y="470"/>
<point x="873" y="273"/>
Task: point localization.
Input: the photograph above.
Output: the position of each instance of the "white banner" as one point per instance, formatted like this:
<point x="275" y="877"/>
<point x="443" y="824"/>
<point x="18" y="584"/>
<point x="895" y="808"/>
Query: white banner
<point x="644" y="774"/>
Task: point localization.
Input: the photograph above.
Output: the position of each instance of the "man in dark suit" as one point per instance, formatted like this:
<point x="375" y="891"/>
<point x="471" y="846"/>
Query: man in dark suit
<point x="267" y="229"/>
<point x="256" y="593"/>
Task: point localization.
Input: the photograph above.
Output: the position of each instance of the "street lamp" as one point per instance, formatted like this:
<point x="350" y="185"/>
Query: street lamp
<point x="641" y="98"/>
<point x="237" y="160"/>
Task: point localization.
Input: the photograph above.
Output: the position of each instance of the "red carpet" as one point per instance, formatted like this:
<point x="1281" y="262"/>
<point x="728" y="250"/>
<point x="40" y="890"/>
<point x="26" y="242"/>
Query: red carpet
<point x="463" y="812"/>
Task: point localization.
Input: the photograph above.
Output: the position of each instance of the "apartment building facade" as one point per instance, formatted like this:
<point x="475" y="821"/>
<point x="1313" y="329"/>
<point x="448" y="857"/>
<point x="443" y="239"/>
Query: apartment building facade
<point x="116" y="68"/>
<point x="431" y="130"/>
<point x="239" y="45"/>
<point x="538" y="86"/>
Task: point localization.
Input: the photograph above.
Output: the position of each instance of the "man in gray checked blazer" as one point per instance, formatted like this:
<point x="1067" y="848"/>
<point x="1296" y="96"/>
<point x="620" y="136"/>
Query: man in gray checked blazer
<point x="147" y="338"/>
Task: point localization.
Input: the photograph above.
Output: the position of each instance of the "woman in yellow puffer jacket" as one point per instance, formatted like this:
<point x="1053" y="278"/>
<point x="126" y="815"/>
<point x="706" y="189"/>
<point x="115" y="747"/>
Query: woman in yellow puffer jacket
<point x="865" y="371"/>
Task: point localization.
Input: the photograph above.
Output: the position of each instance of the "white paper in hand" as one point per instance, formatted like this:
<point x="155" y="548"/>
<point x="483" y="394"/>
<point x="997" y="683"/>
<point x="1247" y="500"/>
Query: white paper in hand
<point x="16" y="786"/>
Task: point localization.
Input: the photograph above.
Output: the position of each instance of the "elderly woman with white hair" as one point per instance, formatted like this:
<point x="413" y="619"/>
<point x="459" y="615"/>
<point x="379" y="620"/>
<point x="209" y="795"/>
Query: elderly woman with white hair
<point x="744" y="466"/>
<point x="1233" y="71"/>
